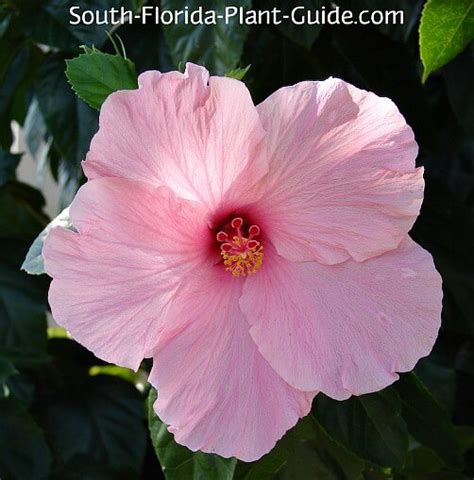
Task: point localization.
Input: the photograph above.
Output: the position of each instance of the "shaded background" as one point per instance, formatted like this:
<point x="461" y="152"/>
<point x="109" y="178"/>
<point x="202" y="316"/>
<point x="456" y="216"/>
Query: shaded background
<point x="65" y="414"/>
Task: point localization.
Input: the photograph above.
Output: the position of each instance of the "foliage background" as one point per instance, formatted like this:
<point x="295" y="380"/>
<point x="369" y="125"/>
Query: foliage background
<point x="64" y="414"/>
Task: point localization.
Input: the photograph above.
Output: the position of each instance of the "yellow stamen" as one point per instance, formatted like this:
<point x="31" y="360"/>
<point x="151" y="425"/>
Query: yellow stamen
<point x="242" y="254"/>
<point x="245" y="263"/>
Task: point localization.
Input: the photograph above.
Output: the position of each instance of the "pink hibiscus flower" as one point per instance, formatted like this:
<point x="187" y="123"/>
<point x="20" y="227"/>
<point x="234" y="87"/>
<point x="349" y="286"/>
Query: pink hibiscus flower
<point x="259" y="254"/>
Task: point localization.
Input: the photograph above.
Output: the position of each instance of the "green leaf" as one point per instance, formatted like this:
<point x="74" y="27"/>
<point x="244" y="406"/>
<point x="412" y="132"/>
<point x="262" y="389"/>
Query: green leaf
<point x="306" y="452"/>
<point x="458" y="77"/>
<point x="95" y="75"/>
<point x="369" y="425"/>
<point x="70" y="122"/>
<point x="6" y="370"/>
<point x="21" y="387"/>
<point x="24" y="452"/>
<point x="314" y="454"/>
<point x="427" y="422"/>
<point x="100" y="418"/>
<point x="33" y="263"/>
<point x="20" y="211"/>
<point x="22" y="310"/>
<point x="116" y="371"/>
<point x="50" y="22"/>
<point x="8" y="164"/>
<point x="422" y="460"/>
<point x="180" y="463"/>
<point x="82" y="467"/>
<point x="238" y="73"/>
<point x="5" y="20"/>
<point x="440" y="381"/>
<point x="267" y="467"/>
<point x="305" y="34"/>
<point x="18" y="66"/>
<point x="452" y="220"/>
<point x="217" y="47"/>
<point x="37" y="139"/>
<point x="465" y="436"/>
<point x="446" y="28"/>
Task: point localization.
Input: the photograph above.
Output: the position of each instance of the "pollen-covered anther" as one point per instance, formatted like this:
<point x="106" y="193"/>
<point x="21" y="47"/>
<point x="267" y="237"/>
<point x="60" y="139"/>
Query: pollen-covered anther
<point x="241" y="254"/>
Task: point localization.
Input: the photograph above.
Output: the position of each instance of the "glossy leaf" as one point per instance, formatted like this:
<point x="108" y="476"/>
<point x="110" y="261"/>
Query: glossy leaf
<point x="52" y="24"/>
<point x="304" y="33"/>
<point x="33" y="263"/>
<point x="369" y="425"/>
<point x="21" y="214"/>
<point x="18" y="65"/>
<point x="95" y="75"/>
<point x="217" y="47"/>
<point x="22" y="311"/>
<point x="306" y="452"/>
<point x="180" y="463"/>
<point x="446" y="28"/>
<point x="24" y="452"/>
<point x="100" y="417"/>
<point x="8" y="164"/>
<point x="37" y="140"/>
<point x="70" y="122"/>
<point x="458" y="75"/>
<point x="6" y="370"/>
<point x="427" y="421"/>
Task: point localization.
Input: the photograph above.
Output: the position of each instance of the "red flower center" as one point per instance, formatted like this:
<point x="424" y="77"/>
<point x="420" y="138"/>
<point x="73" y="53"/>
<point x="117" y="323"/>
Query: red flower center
<point x="241" y="252"/>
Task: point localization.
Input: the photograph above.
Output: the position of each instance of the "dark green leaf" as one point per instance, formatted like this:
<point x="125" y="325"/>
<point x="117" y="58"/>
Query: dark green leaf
<point x="303" y="34"/>
<point x="439" y="379"/>
<point x="180" y="463"/>
<point x="22" y="311"/>
<point x="422" y="460"/>
<point x="267" y="468"/>
<point x="37" y="140"/>
<point x="33" y="263"/>
<point x="458" y="75"/>
<point x="70" y="122"/>
<point x="20" y="211"/>
<point x="146" y="47"/>
<point x="6" y="370"/>
<point x="446" y="28"/>
<point x="314" y="454"/>
<point x="399" y="30"/>
<point x="5" y="20"/>
<point x="18" y="66"/>
<point x="71" y="360"/>
<point x="453" y="221"/>
<point x="95" y="75"/>
<point x="306" y="452"/>
<point x="465" y="436"/>
<point x="50" y="22"/>
<point x="100" y="417"/>
<point x="8" y="164"/>
<point x="427" y="421"/>
<point x="369" y="425"/>
<point x="217" y="47"/>
<point x="82" y="467"/>
<point x="21" y="387"/>
<point x="24" y="453"/>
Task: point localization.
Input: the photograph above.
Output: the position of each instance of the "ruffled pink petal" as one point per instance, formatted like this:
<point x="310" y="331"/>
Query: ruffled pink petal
<point x="114" y="279"/>
<point x="190" y="133"/>
<point x="348" y="328"/>
<point x="342" y="179"/>
<point x="215" y="391"/>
